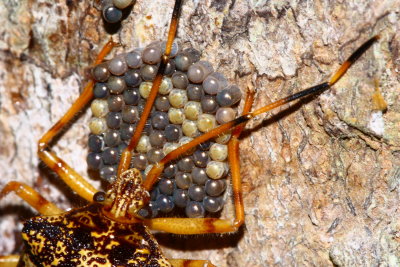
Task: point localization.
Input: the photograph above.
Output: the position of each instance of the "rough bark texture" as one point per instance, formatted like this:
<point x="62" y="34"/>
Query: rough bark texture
<point x="321" y="177"/>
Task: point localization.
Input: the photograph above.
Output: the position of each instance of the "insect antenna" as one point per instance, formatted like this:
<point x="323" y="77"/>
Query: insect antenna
<point x="126" y="155"/>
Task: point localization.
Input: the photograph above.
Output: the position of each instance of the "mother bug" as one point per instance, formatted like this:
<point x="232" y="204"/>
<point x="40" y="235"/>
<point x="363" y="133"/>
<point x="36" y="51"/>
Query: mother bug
<point x="285" y="173"/>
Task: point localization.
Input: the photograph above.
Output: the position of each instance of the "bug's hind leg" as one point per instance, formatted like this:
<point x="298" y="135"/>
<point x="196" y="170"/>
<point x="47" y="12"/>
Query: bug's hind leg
<point x="33" y="198"/>
<point x="190" y="263"/>
<point x="9" y="261"/>
<point x="76" y="182"/>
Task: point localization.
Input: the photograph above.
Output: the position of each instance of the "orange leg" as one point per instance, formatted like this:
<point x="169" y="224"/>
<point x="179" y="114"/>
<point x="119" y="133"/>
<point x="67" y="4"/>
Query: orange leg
<point x="9" y="261"/>
<point x="76" y="182"/>
<point x="191" y="226"/>
<point x="127" y="153"/>
<point x="33" y="198"/>
<point x="190" y="263"/>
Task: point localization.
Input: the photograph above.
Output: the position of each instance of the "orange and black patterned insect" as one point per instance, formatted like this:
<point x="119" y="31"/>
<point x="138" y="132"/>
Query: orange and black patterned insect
<point x="93" y="215"/>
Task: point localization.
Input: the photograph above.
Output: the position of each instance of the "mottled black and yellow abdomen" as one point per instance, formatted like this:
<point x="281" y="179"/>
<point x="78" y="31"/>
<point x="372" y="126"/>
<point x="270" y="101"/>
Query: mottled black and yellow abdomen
<point x="84" y="237"/>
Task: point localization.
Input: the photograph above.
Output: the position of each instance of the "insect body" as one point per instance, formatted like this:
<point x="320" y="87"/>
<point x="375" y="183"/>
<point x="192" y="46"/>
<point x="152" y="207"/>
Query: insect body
<point x="258" y="137"/>
<point x="86" y="237"/>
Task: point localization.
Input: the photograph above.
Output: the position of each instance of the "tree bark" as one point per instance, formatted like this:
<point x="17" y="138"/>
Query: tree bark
<point x="321" y="176"/>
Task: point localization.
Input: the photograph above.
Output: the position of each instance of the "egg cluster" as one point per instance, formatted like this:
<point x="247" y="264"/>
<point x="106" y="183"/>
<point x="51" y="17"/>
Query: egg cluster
<point x="192" y="100"/>
<point x="112" y="9"/>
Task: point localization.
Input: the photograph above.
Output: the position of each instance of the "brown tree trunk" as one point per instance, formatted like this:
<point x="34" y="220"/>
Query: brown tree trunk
<point x="321" y="177"/>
